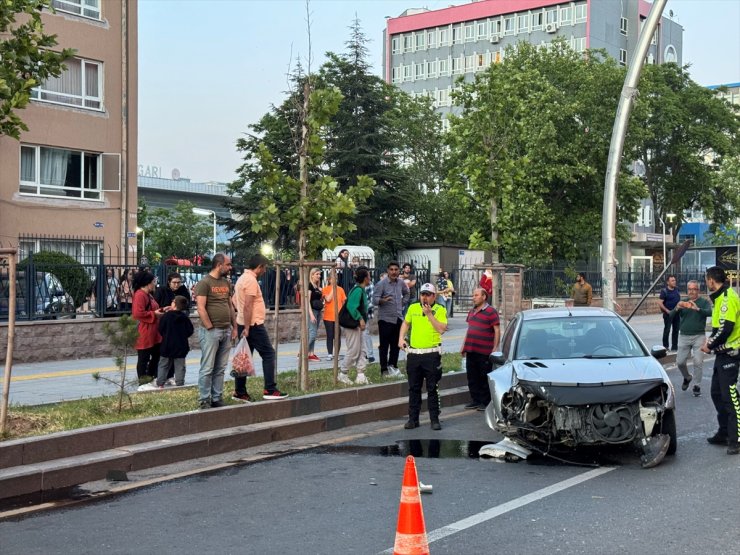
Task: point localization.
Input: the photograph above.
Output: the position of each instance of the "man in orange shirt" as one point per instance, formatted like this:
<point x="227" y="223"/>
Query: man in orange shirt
<point x="250" y="319"/>
<point x="332" y="330"/>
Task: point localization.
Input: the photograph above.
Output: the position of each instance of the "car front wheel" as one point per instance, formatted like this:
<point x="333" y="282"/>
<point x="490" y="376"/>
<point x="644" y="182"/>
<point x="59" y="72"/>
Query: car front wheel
<point x="668" y="426"/>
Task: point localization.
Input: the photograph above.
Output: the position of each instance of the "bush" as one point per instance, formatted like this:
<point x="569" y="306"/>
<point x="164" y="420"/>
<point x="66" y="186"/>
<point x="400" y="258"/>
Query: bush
<point x="71" y="273"/>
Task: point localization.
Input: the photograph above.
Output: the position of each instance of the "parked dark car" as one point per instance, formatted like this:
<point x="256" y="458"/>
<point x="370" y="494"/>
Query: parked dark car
<point x="581" y="376"/>
<point x="50" y="299"/>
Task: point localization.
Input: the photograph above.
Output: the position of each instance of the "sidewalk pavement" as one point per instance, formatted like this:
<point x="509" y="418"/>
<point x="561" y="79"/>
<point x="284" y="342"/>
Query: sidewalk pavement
<point x="50" y="382"/>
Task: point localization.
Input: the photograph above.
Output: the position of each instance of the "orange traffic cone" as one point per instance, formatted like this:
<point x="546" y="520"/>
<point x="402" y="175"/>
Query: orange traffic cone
<point x="411" y="533"/>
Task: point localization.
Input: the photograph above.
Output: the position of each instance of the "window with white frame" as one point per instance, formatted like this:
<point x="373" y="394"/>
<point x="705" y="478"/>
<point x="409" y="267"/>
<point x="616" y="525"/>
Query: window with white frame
<point x="523" y="25"/>
<point x="579" y="44"/>
<point x="432" y="69"/>
<point x="565" y="15"/>
<point x="622" y="57"/>
<point x="482" y="61"/>
<point x="58" y="172"/>
<point x="395" y="45"/>
<point x="407" y="73"/>
<point x="581" y="13"/>
<point x="431" y="39"/>
<point x="469" y="33"/>
<point x="457" y="65"/>
<point x="443" y="67"/>
<point x="443" y="97"/>
<point x="396" y="75"/>
<point x="551" y="16"/>
<point x="470" y="63"/>
<point x="457" y="35"/>
<point x="408" y="43"/>
<point x="481" y="27"/>
<point x="509" y="26"/>
<point x="419" y="71"/>
<point x="496" y="27"/>
<point x="623" y="25"/>
<point x="419" y="40"/>
<point x="444" y="37"/>
<point x="445" y="125"/>
<point x="537" y="19"/>
<point x="85" y="8"/>
<point x="80" y="85"/>
<point x="497" y="57"/>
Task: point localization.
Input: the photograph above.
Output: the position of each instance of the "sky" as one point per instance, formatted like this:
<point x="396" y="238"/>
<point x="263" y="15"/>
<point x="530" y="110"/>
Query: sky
<point x="209" y="68"/>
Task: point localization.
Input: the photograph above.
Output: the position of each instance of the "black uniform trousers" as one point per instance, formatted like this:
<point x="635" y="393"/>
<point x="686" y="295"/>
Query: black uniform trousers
<point x="477" y="367"/>
<point x="419" y="368"/>
<point x="725" y="396"/>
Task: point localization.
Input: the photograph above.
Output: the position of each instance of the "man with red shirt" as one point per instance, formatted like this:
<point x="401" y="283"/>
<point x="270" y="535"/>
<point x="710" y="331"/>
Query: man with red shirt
<point x="481" y="340"/>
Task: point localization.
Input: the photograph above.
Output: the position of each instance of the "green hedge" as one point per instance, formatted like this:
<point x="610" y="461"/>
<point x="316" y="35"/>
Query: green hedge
<point x="71" y="273"/>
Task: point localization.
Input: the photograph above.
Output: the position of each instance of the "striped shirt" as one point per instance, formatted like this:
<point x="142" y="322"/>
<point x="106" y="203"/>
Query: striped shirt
<point x="480" y="336"/>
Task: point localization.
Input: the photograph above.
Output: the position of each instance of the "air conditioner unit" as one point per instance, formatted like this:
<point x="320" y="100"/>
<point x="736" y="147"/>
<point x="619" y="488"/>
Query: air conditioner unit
<point x="551" y="28"/>
<point x="495" y="39"/>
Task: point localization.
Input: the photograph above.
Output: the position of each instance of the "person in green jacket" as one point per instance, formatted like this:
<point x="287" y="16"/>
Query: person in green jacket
<point x="355" y="353"/>
<point x="693" y="312"/>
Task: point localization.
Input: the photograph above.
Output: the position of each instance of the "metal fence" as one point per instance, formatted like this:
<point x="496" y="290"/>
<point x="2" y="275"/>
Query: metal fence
<point x="61" y="291"/>
<point x="47" y="291"/>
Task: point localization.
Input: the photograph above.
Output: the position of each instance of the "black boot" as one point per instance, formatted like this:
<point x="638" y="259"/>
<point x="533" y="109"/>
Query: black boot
<point x="717" y="439"/>
<point x="435" y="423"/>
<point x="411" y="424"/>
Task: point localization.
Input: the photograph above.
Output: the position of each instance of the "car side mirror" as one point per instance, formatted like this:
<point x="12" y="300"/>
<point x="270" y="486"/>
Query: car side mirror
<point x="497" y="358"/>
<point x="658" y="351"/>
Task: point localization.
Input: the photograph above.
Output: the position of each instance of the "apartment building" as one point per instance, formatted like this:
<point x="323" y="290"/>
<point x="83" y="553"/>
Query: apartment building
<point x="69" y="184"/>
<point x="426" y="51"/>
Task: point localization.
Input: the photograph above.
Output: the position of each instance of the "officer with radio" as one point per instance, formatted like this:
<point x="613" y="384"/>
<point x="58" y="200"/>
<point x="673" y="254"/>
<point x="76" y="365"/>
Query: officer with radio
<point x="427" y="321"/>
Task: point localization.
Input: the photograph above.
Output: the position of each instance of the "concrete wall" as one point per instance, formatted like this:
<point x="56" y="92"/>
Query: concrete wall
<point x="84" y="338"/>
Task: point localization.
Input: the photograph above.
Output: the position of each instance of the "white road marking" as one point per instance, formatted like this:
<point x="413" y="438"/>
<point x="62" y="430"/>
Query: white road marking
<point x="499" y="510"/>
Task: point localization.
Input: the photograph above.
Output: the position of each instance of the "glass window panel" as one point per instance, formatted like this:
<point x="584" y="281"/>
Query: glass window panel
<point x="28" y="164"/>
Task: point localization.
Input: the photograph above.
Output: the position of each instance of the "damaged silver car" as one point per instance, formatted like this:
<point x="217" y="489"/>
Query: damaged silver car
<point x="580" y="376"/>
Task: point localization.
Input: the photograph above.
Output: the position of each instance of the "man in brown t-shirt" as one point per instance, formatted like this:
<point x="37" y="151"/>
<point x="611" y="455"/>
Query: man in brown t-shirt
<point x="217" y="331"/>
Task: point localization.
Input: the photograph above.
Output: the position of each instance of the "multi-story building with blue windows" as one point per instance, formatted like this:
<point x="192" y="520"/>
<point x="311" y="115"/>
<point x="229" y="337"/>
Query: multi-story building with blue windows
<point x="426" y="51"/>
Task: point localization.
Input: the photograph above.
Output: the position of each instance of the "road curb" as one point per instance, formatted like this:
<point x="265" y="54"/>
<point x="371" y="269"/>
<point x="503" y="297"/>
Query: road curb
<point x="44" y="464"/>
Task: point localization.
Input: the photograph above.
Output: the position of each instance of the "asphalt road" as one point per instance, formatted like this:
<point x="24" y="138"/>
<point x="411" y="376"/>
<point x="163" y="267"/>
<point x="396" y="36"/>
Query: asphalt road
<point x="50" y="382"/>
<point x="343" y="498"/>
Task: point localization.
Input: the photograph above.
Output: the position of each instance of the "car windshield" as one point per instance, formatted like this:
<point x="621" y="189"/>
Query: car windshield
<point x="577" y="337"/>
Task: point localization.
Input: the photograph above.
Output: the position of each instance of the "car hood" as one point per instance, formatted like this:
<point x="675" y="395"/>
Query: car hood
<point x="585" y="381"/>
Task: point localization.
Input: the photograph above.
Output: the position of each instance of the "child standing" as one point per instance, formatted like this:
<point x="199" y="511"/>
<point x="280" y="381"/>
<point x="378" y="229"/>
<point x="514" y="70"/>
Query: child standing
<point x="175" y="327"/>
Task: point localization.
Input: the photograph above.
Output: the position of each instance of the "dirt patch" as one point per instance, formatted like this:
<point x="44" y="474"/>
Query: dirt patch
<point x="22" y="425"/>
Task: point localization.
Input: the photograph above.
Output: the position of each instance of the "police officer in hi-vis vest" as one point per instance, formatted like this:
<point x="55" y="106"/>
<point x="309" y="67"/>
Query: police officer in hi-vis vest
<point x="725" y="343"/>
<point x="428" y="321"/>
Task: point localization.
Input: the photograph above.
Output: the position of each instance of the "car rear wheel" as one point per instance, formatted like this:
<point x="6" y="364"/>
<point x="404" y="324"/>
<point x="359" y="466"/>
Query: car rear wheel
<point x="668" y="426"/>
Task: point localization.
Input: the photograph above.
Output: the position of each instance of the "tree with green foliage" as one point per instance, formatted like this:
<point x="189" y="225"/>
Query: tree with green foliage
<point x="377" y="131"/>
<point x="683" y="133"/>
<point x="530" y="148"/>
<point x="71" y="274"/>
<point x="26" y="59"/>
<point x="122" y="335"/>
<point x="176" y="231"/>
<point x="359" y="142"/>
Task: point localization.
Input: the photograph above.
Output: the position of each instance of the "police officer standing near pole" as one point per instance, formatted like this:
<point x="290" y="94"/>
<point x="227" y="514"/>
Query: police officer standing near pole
<point x="725" y="343"/>
<point x="428" y="321"/>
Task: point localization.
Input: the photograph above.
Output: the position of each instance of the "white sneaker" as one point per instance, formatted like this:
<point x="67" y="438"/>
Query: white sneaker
<point x="394" y="372"/>
<point x="361" y="379"/>
<point x="151" y="386"/>
<point x="344" y="378"/>
<point x="329" y="357"/>
<point x="170" y="383"/>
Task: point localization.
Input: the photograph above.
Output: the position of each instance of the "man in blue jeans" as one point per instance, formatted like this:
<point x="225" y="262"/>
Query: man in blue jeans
<point x="250" y="317"/>
<point x="217" y="331"/>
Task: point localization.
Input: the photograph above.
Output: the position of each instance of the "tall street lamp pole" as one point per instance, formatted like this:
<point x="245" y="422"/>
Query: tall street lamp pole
<point x="206" y="212"/>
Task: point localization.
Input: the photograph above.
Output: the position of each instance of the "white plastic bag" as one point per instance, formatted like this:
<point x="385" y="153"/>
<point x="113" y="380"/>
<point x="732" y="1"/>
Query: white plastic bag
<point x="241" y="362"/>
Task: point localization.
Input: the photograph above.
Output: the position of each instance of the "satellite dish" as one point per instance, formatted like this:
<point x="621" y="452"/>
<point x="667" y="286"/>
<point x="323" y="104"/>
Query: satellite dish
<point x="175" y="174"/>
